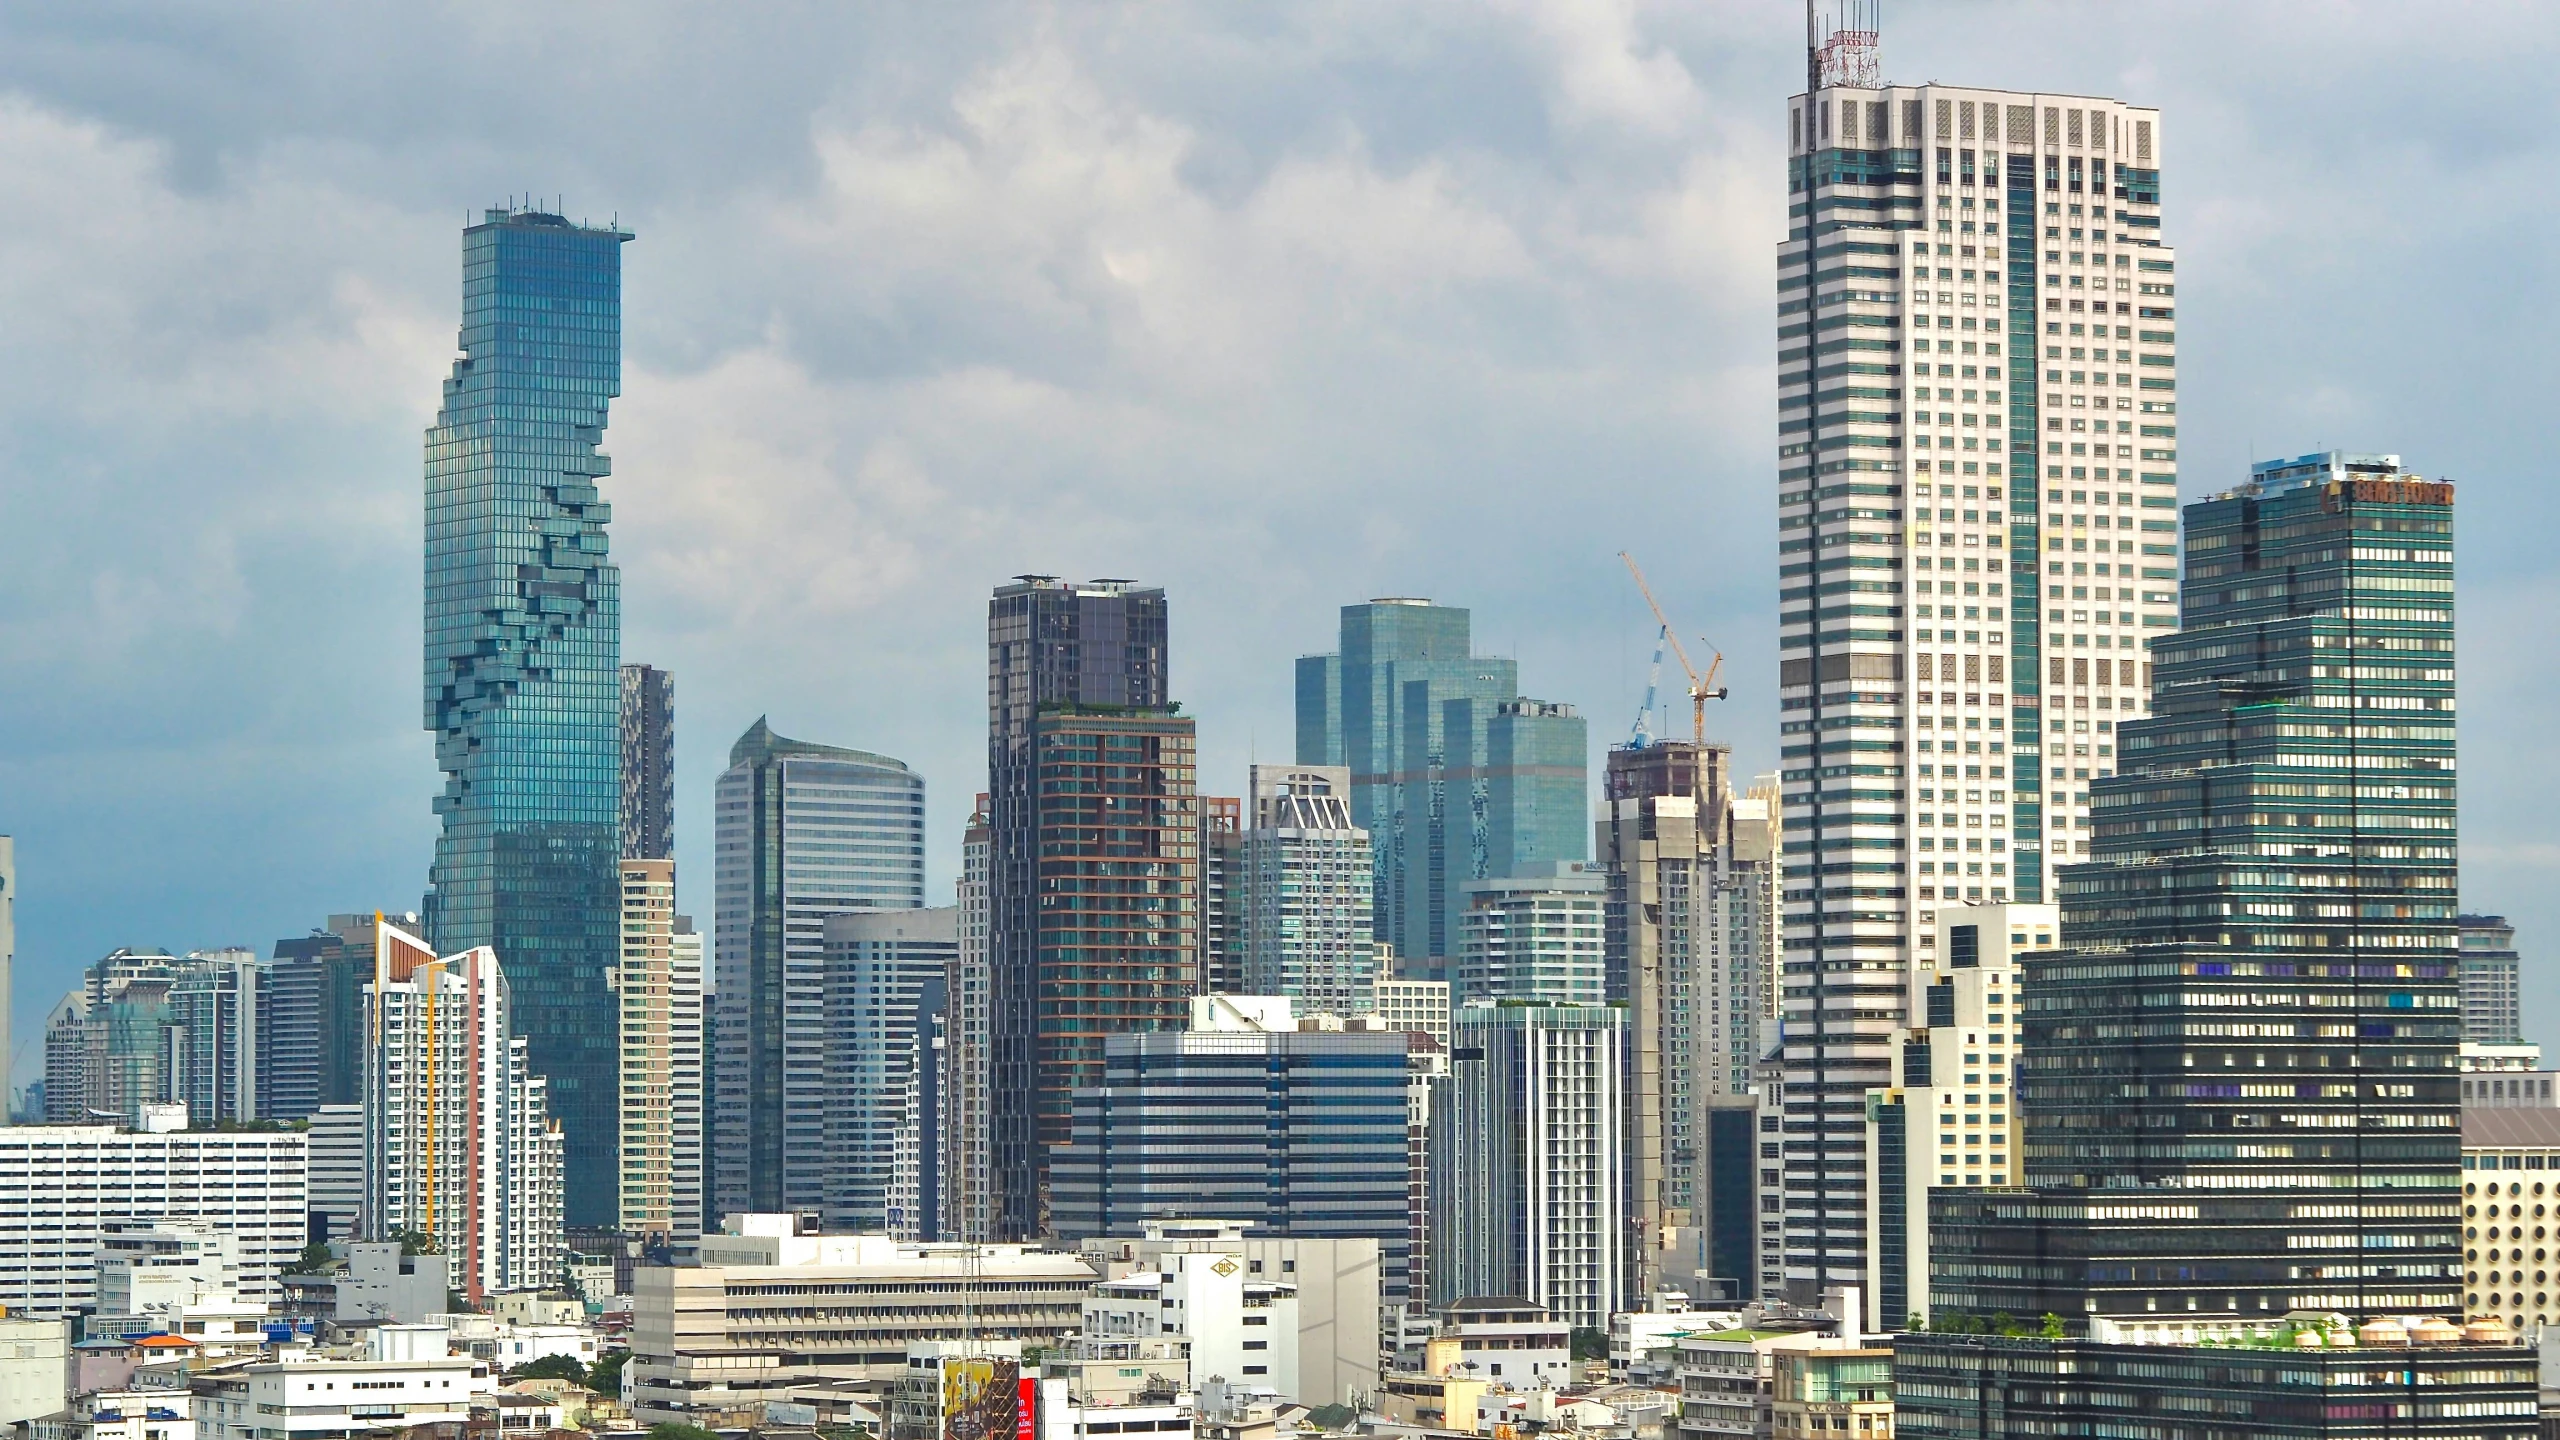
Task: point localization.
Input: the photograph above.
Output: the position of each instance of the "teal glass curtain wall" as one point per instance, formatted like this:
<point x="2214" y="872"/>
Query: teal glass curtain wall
<point x="523" y="645"/>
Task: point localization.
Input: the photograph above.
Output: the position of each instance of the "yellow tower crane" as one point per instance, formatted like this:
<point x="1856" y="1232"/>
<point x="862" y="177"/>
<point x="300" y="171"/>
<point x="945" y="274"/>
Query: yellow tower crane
<point x="1702" y="688"/>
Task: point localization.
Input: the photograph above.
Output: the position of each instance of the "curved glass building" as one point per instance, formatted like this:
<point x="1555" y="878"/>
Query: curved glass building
<point x="523" y="645"/>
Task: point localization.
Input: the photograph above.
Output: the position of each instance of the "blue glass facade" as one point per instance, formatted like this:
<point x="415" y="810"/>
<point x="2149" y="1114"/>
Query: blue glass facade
<point x="523" y="645"/>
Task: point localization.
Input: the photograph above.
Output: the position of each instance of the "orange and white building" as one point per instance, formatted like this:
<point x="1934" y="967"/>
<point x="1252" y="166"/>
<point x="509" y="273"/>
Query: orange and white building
<point x="459" y="1144"/>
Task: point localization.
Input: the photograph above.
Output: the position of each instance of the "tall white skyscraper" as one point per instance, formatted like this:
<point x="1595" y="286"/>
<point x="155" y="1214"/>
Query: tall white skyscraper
<point x="687" y="1081"/>
<point x="1977" y="529"/>
<point x="459" y="1143"/>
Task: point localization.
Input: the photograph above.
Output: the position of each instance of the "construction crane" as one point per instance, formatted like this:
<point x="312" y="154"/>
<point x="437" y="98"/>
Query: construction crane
<point x="1652" y="685"/>
<point x="1702" y="688"/>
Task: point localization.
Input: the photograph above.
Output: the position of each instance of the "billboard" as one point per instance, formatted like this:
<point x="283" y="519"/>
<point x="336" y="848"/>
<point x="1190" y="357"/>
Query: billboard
<point x="984" y="1398"/>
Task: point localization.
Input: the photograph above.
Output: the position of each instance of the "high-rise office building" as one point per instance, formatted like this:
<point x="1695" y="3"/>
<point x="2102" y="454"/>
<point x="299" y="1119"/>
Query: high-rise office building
<point x="2240" y="1089"/>
<point x="2492" y="998"/>
<point x="1094" y="865"/>
<point x="803" y="831"/>
<point x="1977" y="390"/>
<point x="66" y="1061"/>
<point x="1306" y="918"/>
<point x="523" y="650"/>
<point x="648" y="821"/>
<point x="888" y="978"/>
<point x="1454" y="775"/>
<point x="458" y="1139"/>
<point x="646" y="989"/>
<point x="1223" y="916"/>
<point x="1951" y="1120"/>
<point x="1246" y="1117"/>
<point x="314" y="1039"/>
<point x="1528" y="1176"/>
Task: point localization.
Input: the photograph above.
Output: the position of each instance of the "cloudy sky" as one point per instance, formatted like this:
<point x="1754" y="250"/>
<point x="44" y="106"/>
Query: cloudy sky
<point x="1278" y="306"/>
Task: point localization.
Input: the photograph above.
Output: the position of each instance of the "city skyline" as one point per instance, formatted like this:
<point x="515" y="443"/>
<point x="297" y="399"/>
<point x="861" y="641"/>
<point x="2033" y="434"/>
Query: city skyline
<point x="62" y="925"/>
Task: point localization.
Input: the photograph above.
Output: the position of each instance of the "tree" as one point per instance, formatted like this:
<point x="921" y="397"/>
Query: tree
<point x="315" y="1260"/>
<point x="605" y="1376"/>
<point x="670" y="1430"/>
<point x="551" y="1367"/>
<point x="1590" y="1344"/>
<point x="417" y="1242"/>
<point x="2052" y="1328"/>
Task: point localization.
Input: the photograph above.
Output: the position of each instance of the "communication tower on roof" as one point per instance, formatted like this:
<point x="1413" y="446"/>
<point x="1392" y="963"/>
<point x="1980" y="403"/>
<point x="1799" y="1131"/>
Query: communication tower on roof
<point x="1843" y="44"/>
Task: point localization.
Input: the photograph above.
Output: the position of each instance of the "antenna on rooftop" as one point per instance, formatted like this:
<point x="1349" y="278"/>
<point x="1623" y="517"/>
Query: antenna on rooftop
<point x="1844" y="46"/>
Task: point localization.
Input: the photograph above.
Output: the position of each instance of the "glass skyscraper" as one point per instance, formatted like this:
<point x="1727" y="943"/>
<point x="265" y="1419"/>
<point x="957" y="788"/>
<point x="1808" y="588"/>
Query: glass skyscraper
<point x="1453" y="774"/>
<point x="802" y="832"/>
<point x="2237" y="1081"/>
<point x="523" y="644"/>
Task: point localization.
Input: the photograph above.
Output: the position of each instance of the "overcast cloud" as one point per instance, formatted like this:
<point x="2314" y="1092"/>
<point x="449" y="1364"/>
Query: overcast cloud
<point x="1280" y="307"/>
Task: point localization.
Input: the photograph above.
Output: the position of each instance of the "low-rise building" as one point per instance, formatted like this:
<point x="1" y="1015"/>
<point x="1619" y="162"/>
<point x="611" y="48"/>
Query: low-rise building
<point x="1511" y="1341"/>
<point x="155" y="1414"/>
<point x="2510" y="1164"/>
<point x="1831" y="1391"/>
<point x="769" y="1307"/>
<point x="1337" y="1301"/>
<point x="1240" y="1328"/>
<point x="406" y="1377"/>
<point x="35" y="1368"/>
<point x="505" y="1344"/>
<point x="378" y="1280"/>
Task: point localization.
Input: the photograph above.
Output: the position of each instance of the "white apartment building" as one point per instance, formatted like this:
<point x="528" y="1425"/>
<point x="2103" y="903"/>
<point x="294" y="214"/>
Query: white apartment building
<point x="688" y="1093"/>
<point x="1950" y="1121"/>
<point x="62" y="1185"/>
<point x="769" y="1309"/>
<point x="1240" y="1327"/>
<point x="459" y="1142"/>
<point x="406" y="1378"/>
<point x="1307" y="890"/>
<point x="1535" y="937"/>
<point x="1528" y="1187"/>
<point x="1977" y="535"/>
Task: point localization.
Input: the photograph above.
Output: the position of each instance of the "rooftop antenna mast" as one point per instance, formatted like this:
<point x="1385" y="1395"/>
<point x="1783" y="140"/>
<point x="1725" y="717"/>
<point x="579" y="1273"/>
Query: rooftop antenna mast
<point x="1847" y="53"/>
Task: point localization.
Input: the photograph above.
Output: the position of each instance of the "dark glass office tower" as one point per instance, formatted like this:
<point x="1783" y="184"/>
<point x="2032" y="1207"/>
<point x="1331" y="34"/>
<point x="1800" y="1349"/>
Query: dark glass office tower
<point x="523" y="644"/>
<point x="2238" y="1078"/>
<point x="648" y="763"/>
<point x="1094" y="822"/>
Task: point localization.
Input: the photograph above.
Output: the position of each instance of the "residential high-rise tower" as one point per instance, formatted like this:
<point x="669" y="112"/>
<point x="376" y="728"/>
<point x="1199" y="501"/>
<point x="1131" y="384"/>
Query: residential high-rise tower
<point x="1976" y="496"/>
<point x="648" y="763"/>
<point x="1305" y="892"/>
<point x="523" y="649"/>
<point x="1094" y="867"/>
